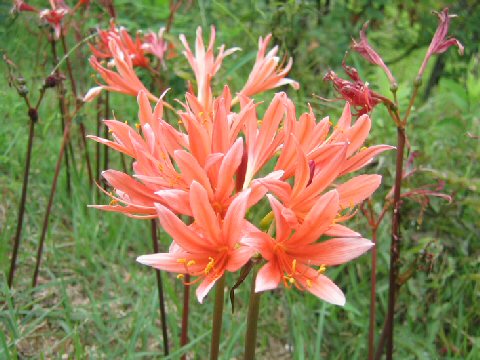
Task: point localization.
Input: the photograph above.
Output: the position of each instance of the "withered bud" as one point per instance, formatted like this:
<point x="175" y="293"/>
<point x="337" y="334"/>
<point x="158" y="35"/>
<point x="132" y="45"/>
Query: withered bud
<point x="53" y="80"/>
<point x="33" y="114"/>
<point x="22" y="90"/>
<point x="21" y="80"/>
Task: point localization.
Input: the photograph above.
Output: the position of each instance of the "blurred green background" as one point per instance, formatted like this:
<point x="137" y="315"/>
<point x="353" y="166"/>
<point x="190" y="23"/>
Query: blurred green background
<point x="95" y="301"/>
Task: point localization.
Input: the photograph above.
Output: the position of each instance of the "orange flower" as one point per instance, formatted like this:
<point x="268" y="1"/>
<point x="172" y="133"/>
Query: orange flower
<point x="205" y="65"/>
<point x="207" y="248"/>
<point x="291" y="255"/>
<point x="267" y="73"/>
<point x="124" y="81"/>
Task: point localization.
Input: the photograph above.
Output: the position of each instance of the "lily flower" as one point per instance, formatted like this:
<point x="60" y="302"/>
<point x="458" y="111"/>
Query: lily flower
<point x="440" y="43"/>
<point x="267" y="72"/>
<point x="355" y="92"/>
<point x="209" y="247"/>
<point x="205" y="65"/>
<point x="367" y="52"/>
<point x="156" y="44"/>
<point x="124" y="81"/>
<point x="291" y="255"/>
<point x="55" y="15"/>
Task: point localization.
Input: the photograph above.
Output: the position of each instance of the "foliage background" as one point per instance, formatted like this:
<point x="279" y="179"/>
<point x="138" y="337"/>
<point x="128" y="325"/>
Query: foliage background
<point x="95" y="301"/>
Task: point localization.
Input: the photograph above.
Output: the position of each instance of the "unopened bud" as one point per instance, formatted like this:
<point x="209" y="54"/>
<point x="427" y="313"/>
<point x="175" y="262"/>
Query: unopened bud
<point x="394" y="87"/>
<point x="22" y="90"/>
<point x="418" y="81"/>
<point x="33" y="114"/>
<point x="50" y="82"/>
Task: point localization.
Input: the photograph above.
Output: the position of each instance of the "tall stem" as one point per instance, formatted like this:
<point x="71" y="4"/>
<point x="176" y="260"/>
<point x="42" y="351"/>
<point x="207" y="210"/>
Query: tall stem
<point x="105" y="135"/>
<point x="163" y="317"/>
<point x="394" y="247"/>
<point x="66" y="135"/>
<point x="373" y="293"/>
<point x="252" y="321"/>
<point x="217" y="319"/>
<point x="21" y="210"/>
<point x="185" y="313"/>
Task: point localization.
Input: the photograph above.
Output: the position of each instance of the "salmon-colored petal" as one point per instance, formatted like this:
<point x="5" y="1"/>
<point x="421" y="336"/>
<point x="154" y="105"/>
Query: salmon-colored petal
<point x="191" y="170"/>
<point x="268" y="277"/>
<point x="175" y="199"/>
<point x="165" y="261"/>
<point x="234" y="218"/>
<point x="332" y="252"/>
<point x="302" y="173"/>
<point x="203" y="212"/>
<point x="325" y="289"/>
<point x="206" y="285"/>
<point x="362" y="158"/>
<point x="337" y="230"/>
<point x="282" y="228"/>
<point x="239" y="257"/>
<point x="355" y="190"/>
<point x="317" y="221"/>
<point x="357" y="134"/>
<point x="228" y="167"/>
<point x="181" y="233"/>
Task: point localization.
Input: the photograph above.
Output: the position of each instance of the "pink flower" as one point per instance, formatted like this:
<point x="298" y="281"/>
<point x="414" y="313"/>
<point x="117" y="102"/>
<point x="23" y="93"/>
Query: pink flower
<point x="267" y="73"/>
<point x="366" y="50"/>
<point x="210" y="246"/>
<point x="291" y="255"/>
<point x="125" y="80"/>
<point x="134" y="49"/>
<point x="20" y="5"/>
<point x="55" y="15"/>
<point x="155" y="44"/>
<point x="356" y="92"/>
<point x="205" y="65"/>
<point x="440" y="43"/>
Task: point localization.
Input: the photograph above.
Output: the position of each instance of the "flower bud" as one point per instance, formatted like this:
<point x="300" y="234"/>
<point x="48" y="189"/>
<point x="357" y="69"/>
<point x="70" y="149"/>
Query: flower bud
<point x="22" y="90"/>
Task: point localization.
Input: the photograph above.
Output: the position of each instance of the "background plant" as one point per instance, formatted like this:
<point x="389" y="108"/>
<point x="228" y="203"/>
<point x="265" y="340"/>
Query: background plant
<point x="74" y="312"/>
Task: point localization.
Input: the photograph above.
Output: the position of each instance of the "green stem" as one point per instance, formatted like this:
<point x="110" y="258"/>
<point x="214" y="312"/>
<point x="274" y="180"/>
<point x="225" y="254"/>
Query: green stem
<point x="217" y="319"/>
<point x="252" y="321"/>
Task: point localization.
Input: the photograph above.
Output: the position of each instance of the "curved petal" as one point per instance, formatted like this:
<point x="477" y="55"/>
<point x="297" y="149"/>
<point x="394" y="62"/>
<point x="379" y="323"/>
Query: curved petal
<point x="181" y="233"/>
<point x="355" y="190"/>
<point x="332" y="252"/>
<point x="203" y="212"/>
<point x="234" y="218"/>
<point x="205" y="286"/>
<point x="317" y="221"/>
<point x="268" y="277"/>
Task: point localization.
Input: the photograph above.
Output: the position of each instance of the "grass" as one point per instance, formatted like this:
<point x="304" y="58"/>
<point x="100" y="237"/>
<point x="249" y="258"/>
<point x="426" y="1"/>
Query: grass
<point x="95" y="301"/>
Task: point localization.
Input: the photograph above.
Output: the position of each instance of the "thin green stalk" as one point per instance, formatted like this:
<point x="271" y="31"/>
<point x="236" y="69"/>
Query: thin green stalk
<point x="252" y="321"/>
<point x="217" y="319"/>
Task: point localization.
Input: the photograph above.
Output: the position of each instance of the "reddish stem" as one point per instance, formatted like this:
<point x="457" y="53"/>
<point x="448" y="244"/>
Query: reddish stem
<point x="373" y="293"/>
<point x="21" y="210"/>
<point x="186" y="302"/>
<point x="161" y="299"/>
<point x="66" y="135"/>
<point x="395" y="244"/>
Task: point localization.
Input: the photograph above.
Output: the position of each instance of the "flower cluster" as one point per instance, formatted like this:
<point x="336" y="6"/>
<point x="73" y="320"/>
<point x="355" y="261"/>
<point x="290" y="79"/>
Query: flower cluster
<point x="53" y="16"/>
<point x="221" y="158"/>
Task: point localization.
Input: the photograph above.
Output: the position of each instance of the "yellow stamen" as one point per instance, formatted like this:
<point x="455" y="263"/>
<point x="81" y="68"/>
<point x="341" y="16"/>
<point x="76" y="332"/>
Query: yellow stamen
<point x="180" y="276"/>
<point x="210" y="265"/>
<point x="126" y="122"/>
<point x="138" y="126"/>
<point x="309" y="283"/>
<point x="181" y="261"/>
<point x="291" y="280"/>
<point x="294" y="266"/>
<point x="322" y="269"/>
<point x="191" y="262"/>
<point x="363" y="148"/>
<point x="114" y="202"/>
